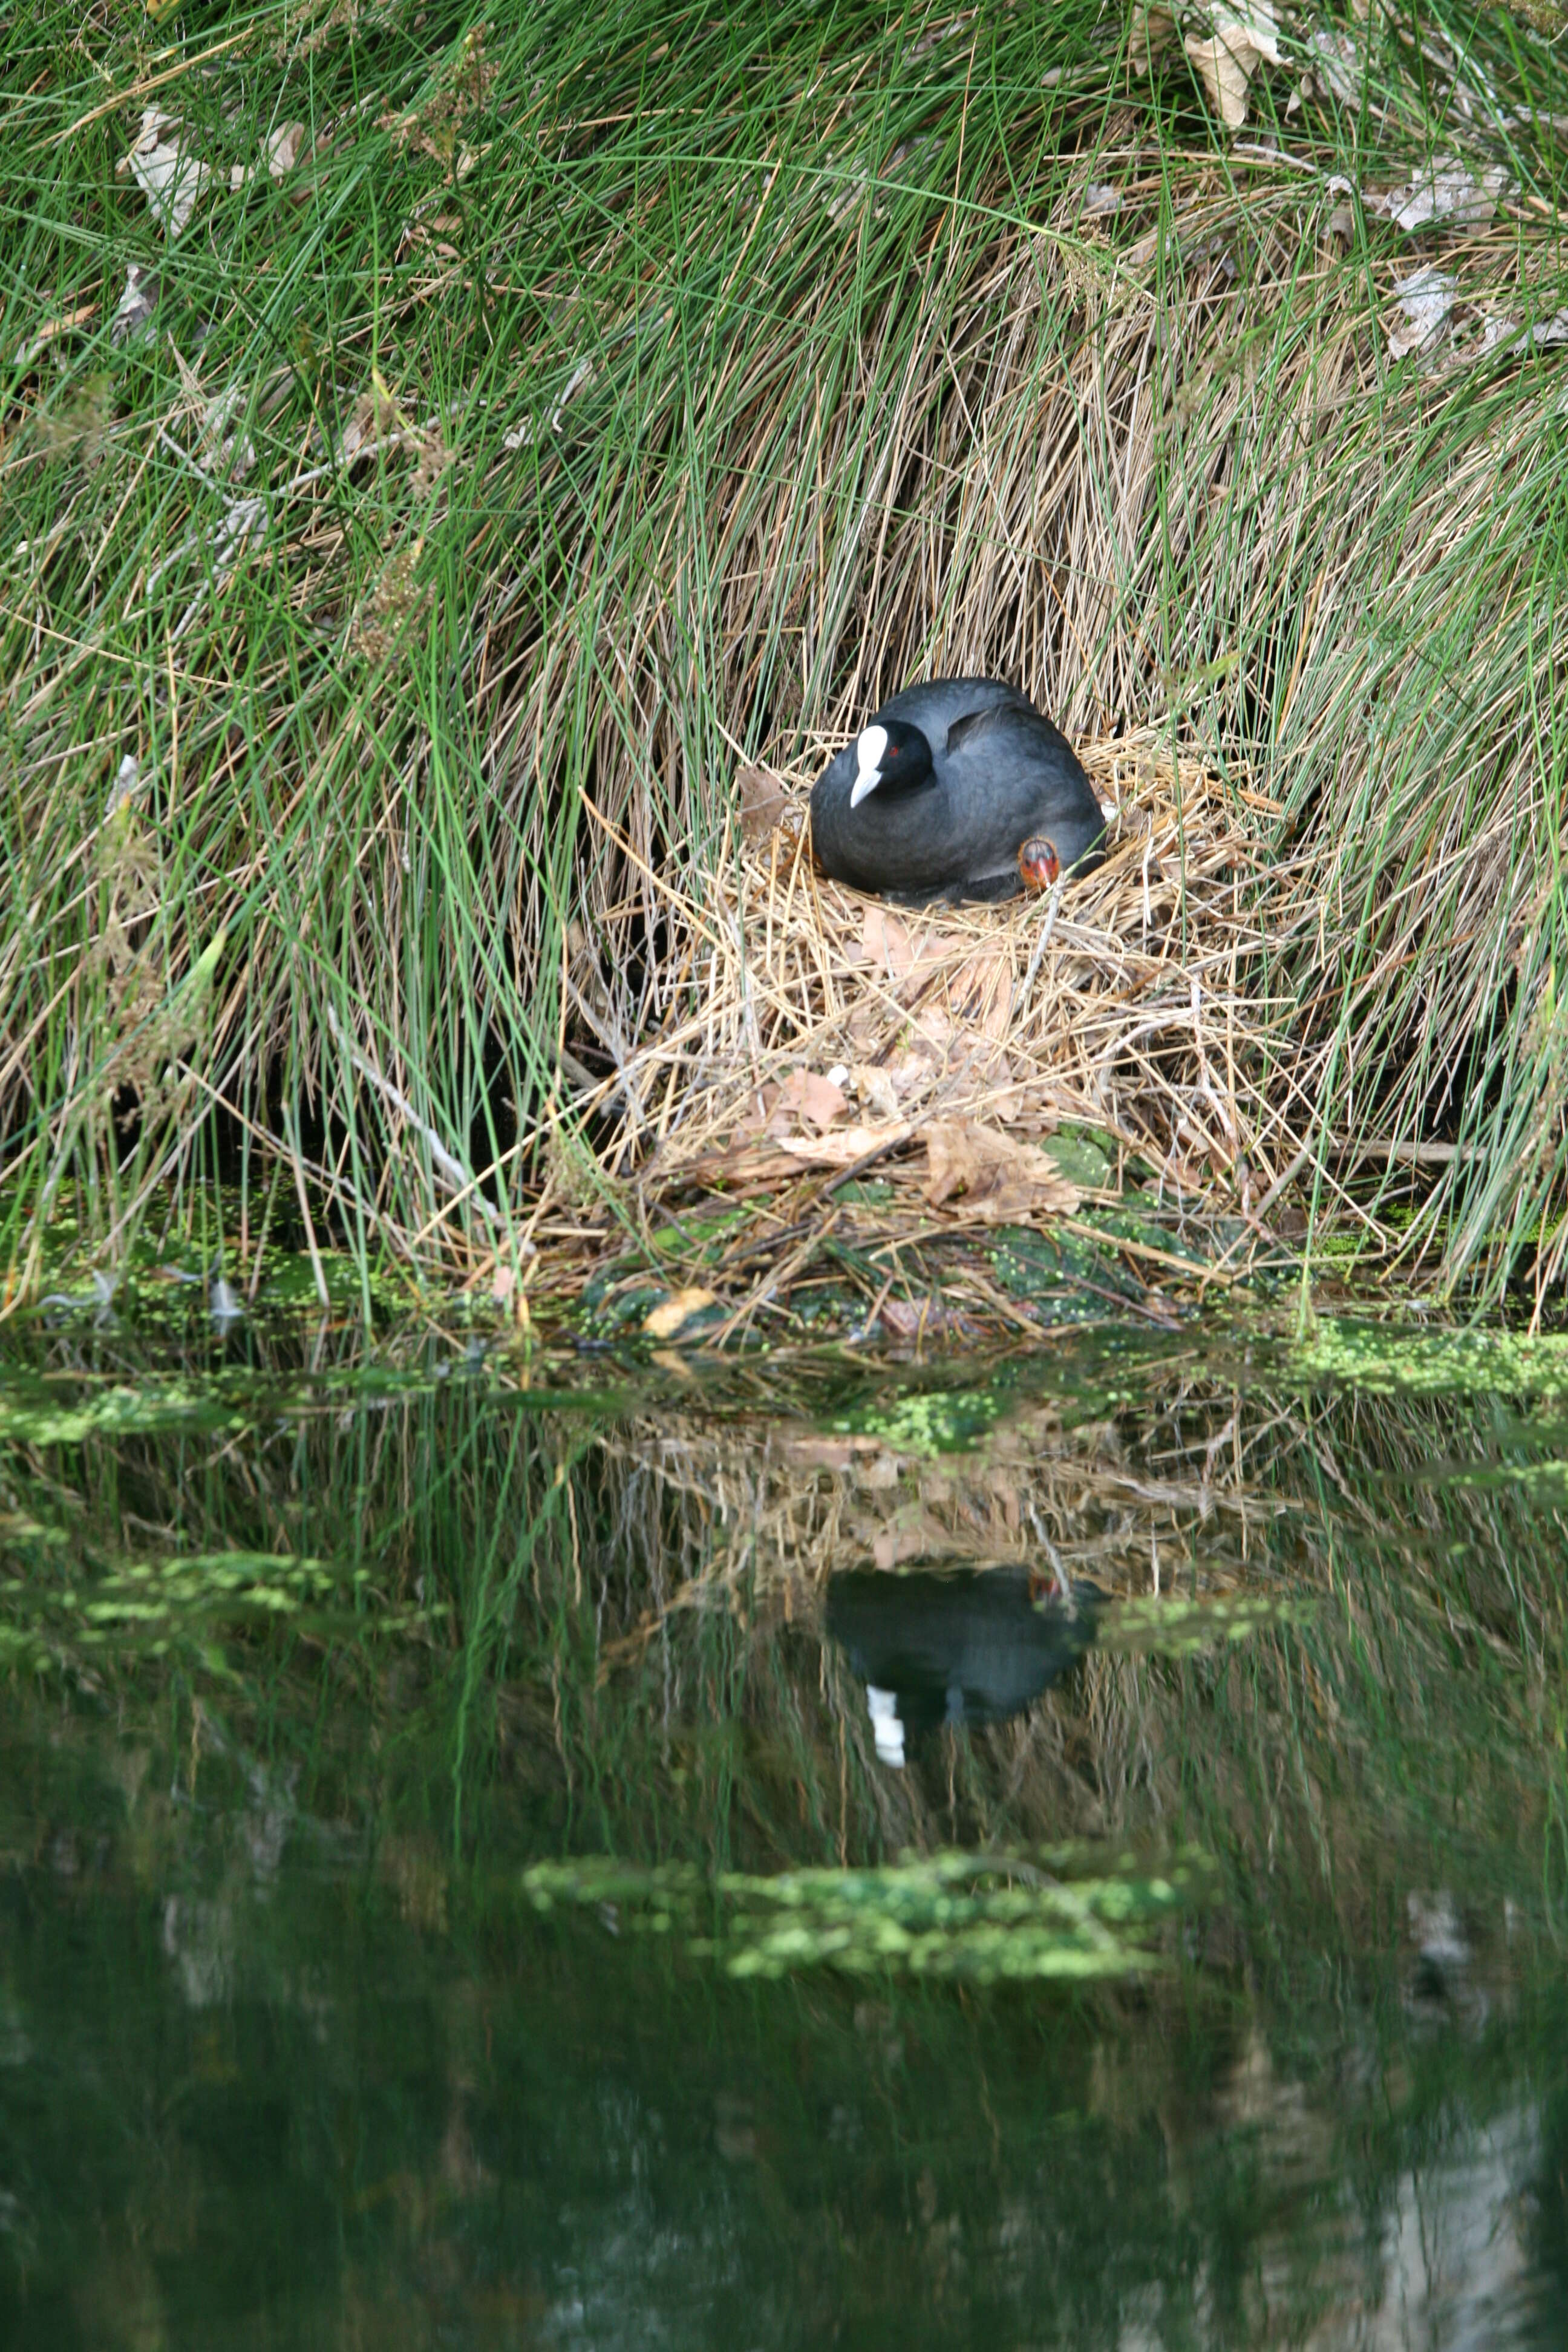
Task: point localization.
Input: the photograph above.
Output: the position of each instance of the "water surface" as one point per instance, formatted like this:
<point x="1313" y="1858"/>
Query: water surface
<point x="1059" y="1850"/>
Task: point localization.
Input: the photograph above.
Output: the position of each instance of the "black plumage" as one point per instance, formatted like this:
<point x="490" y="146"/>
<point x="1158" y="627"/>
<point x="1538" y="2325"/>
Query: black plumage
<point x="958" y="1648"/>
<point x="942" y="790"/>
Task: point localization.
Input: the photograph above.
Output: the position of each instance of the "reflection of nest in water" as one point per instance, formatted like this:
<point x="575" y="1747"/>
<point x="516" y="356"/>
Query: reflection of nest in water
<point x="820" y="1026"/>
<point x="760" y="1527"/>
<point x="754" y="1525"/>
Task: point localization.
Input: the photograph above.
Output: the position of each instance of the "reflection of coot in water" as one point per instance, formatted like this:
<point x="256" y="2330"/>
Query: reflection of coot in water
<point x="971" y="1648"/>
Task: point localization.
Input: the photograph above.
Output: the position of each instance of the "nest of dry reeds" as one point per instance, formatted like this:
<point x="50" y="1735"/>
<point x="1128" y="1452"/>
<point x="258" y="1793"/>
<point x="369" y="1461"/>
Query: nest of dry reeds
<point x="823" y="1030"/>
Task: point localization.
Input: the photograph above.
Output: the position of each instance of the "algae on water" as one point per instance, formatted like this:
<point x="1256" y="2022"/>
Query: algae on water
<point x="1388" y="1362"/>
<point x="1065" y="1912"/>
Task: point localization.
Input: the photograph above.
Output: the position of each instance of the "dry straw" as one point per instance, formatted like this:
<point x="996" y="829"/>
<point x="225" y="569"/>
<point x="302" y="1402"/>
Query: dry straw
<point x="825" y="1030"/>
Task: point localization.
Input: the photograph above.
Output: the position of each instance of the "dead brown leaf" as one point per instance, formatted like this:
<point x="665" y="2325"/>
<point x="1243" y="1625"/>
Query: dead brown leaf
<point x="164" y="164"/>
<point x="843" y="1147"/>
<point x="1426" y="299"/>
<point x="282" y="147"/>
<point x="804" y="1099"/>
<point x="958" y="986"/>
<point x="980" y="992"/>
<point x="1446" y="195"/>
<point x="887" y="941"/>
<point x="1153" y="29"/>
<point x="1229" y="57"/>
<point x="280" y="151"/>
<point x="992" y="1178"/>
<point x="814" y="1101"/>
<point x="56" y="326"/>
<point x="915" y="1318"/>
<point x="137" y="304"/>
<point x="763" y="802"/>
<point x="877" y="1089"/>
<point x="674" y="1313"/>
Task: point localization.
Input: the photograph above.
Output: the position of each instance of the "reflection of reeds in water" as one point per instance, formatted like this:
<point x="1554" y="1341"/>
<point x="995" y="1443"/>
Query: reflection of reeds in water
<point x="755" y="1521"/>
<point x="771" y="1513"/>
<point x="1331" y="2112"/>
<point x="1433" y="1617"/>
<point x="636" y="1607"/>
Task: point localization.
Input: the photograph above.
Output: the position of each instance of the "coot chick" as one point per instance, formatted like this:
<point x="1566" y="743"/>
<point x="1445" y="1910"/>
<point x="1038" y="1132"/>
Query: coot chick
<point x="956" y="790"/>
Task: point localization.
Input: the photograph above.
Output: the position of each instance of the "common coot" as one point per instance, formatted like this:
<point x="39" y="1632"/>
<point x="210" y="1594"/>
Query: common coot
<point x="969" y="1647"/>
<point x="959" y="789"/>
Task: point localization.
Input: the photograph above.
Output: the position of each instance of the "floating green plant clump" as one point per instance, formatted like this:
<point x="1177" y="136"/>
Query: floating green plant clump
<point x="59" y="1609"/>
<point x="34" y="1418"/>
<point x="1166" y="1626"/>
<point x="1387" y="1362"/>
<point x="931" y="1422"/>
<point x="1067" y="1912"/>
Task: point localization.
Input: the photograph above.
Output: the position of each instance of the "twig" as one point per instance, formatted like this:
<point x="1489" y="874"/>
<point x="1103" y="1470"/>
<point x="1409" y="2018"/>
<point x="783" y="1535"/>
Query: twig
<point x="447" y="1162"/>
<point x="1194" y="1272"/>
<point x="291" y="1127"/>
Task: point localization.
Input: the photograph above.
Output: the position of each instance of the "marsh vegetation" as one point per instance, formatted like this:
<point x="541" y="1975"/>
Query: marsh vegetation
<point x="537" y="421"/>
<point x="556" y="1816"/>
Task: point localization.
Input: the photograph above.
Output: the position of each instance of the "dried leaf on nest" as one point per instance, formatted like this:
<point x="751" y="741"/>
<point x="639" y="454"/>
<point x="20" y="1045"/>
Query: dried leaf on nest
<point x="843" y="1147"/>
<point x="996" y="1179"/>
<point x="673" y="1314"/>
<point x="920" y="954"/>
<point x="916" y="1319"/>
<point x="763" y="800"/>
<point x="814" y="1101"/>
<point x="886" y="939"/>
<point x="877" y="1088"/>
<point x="907" y="947"/>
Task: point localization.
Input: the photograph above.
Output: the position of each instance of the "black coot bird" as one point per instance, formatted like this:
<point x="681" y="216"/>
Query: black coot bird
<point x="974" y="1647"/>
<point x="956" y="790"/>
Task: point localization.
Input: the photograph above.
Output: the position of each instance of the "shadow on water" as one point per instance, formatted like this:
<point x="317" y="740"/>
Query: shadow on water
<point x="1069" y="1852"/>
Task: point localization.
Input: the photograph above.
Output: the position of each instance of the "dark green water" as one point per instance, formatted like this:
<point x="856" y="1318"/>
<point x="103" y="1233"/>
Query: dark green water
<point x="1197" y="1977"/>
